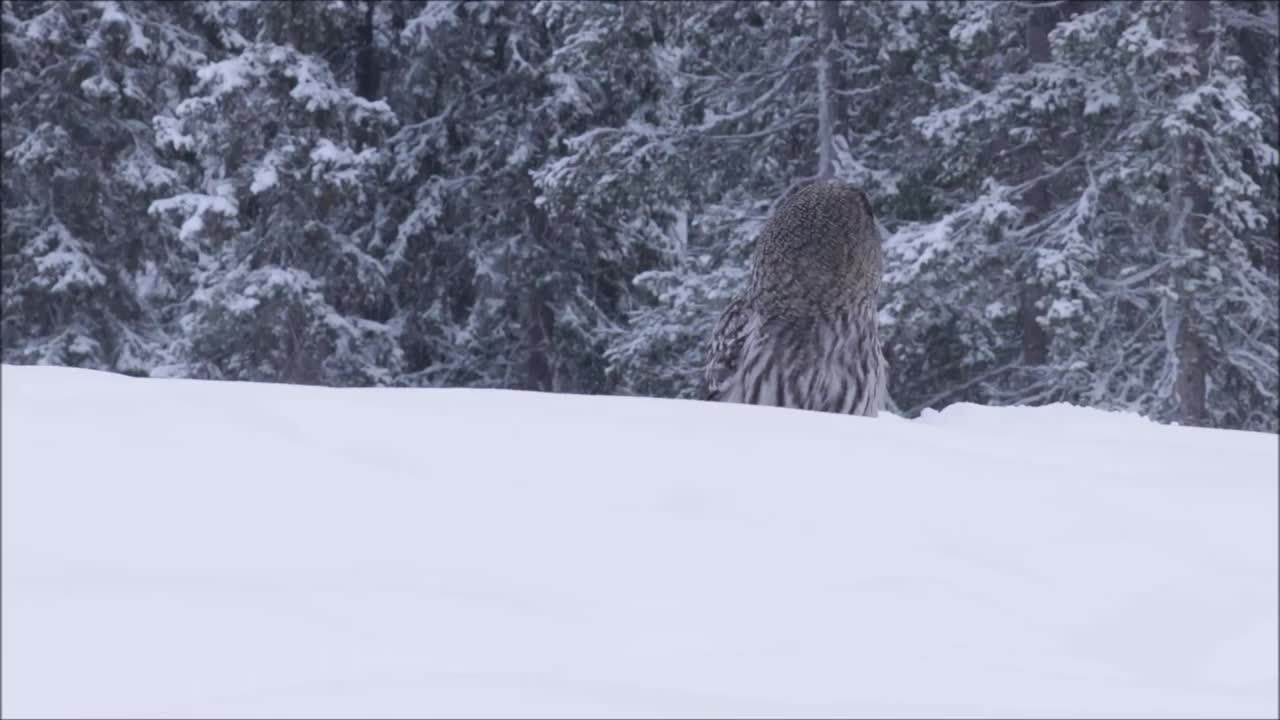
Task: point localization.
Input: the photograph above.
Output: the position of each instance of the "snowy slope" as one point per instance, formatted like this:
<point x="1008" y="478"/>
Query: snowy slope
<point x="184" y="548"/>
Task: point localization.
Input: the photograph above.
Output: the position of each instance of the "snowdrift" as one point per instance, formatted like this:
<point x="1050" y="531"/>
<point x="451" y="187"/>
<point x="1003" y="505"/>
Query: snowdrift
<point x="202" y="549"/>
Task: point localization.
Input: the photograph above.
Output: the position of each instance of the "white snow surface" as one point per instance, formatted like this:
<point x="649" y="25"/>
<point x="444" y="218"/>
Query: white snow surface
<point x="178" y="548"/>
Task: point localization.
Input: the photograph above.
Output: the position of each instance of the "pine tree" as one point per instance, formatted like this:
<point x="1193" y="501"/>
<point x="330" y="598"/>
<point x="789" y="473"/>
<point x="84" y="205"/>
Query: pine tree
<point x="1077" y="242"/>
<point x="279" y="166"/>
<point x="1079" y="199"/>
<point x="741" y="129"/>
<point x="515" y="284"/>
<point x="1194" y="159"/>
<point x="84" y="268"/>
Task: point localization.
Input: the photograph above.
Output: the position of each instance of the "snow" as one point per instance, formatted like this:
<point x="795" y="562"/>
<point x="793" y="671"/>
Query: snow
<point x="974" y="22"/>
<point x="916" y="245"/>
<point x="338" y="165"/>
<point x="326" y="152"/>
<point x="66" y="266"/>
<point x="194" y="205"/>
<point x="205" y="549"/>
<point x="169" y="134"/>
<point x="313" y="86"/>
<point x="1100" y="96"/>
<point x="141" y="172"/>
<point x="99" y="87"/>
<point x="113" y="15"/>
<point x="222" y="77"/>
<point x="47" y="27"/>
<point x="431" y="17"/>
<point x="264" y="178"/>
<point x="569" y="92"/>
<point x="82" y="345"/>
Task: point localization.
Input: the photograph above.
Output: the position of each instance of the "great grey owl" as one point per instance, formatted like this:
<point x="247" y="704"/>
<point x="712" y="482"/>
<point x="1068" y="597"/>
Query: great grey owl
<point x="803" y="333"/>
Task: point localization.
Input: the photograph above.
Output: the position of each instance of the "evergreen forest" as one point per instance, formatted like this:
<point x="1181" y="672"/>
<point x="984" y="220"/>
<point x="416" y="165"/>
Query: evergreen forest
<point x="1078" y="199"/>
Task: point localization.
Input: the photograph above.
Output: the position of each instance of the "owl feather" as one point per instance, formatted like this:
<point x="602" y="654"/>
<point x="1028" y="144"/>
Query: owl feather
<point x="803" y="332"/>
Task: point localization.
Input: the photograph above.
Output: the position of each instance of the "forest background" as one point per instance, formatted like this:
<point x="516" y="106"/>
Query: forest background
<point x="1079" y="199"/>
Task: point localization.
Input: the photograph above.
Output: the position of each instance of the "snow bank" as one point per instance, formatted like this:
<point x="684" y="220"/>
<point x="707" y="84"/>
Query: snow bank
<point x="185" y="548"/>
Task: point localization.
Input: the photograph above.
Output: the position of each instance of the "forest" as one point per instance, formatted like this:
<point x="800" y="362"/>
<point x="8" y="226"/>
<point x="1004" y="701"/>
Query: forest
<point x="1078" y="199"/>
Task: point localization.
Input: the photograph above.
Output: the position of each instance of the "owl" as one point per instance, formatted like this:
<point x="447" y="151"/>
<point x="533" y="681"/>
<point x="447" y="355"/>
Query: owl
<point x="803" y="333"/>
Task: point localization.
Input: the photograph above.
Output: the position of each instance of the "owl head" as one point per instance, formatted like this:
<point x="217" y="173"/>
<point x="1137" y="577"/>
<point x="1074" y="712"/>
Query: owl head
<point x="821" y="247"/>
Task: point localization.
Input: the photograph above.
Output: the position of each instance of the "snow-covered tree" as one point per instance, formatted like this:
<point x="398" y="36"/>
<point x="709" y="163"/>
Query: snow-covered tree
<point x="1190" y="293"/>
<point x="514" y="284"/>
<point x="1079" y="198"/>
<point x="83" y="266"/>
<point x="1099" y="238"/>
<point x="737" y="127"/>
<point x="279" y="165"/>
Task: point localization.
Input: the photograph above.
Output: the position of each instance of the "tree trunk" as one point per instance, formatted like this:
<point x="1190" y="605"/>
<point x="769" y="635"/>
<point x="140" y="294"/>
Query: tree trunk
<point x="1035" y="339"/>
<point x="537" y="322"/>
<point x="367" y="59"/>
<point x="828" y="14"/>
<point x="839" y="69"/>
<point x="537" y="317"/>
<point x="1189" y="345"/>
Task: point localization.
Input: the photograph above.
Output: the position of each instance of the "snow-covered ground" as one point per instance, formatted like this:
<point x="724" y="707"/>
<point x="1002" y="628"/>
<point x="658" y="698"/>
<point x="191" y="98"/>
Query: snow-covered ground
<point x="201" y="549"/>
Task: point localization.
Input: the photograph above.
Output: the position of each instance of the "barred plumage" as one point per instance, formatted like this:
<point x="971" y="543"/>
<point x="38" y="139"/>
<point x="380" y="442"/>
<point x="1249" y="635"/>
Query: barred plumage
<point x="803" y="334"/>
